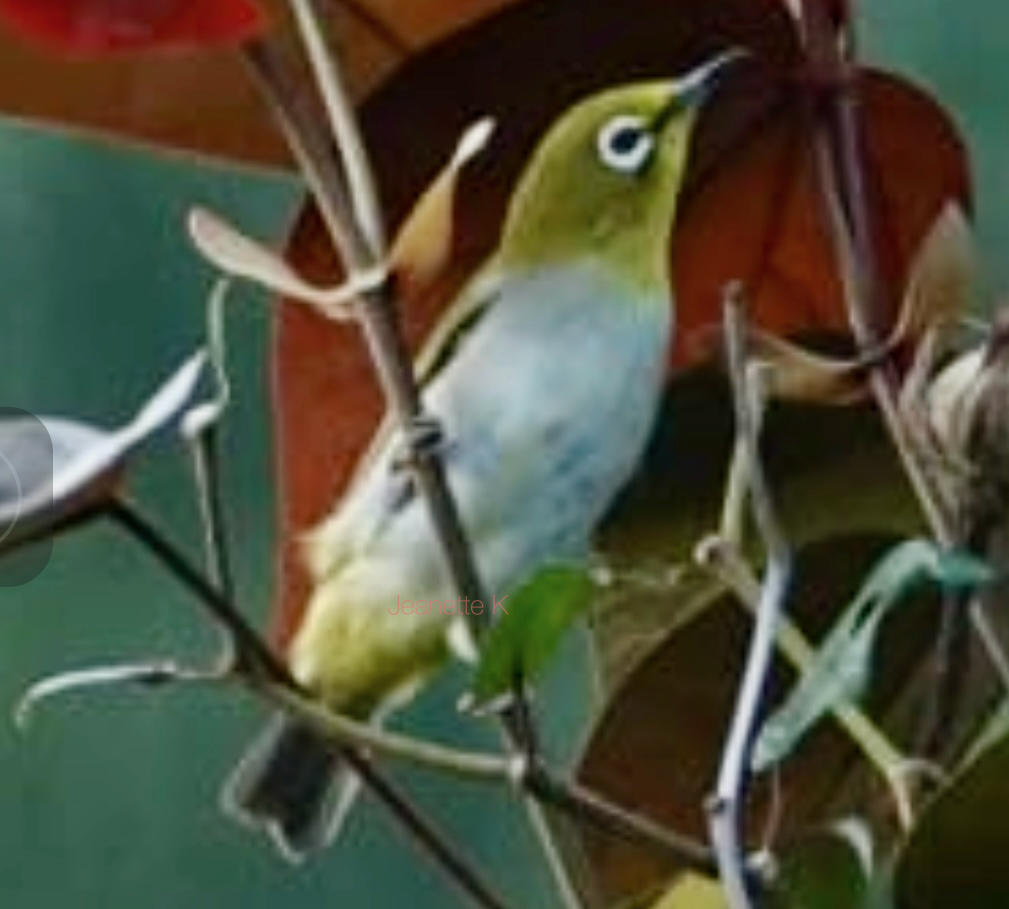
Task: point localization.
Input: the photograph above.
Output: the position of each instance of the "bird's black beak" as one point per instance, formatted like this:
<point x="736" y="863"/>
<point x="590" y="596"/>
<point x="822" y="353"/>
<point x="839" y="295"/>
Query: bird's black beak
<point x="694" y="88"/>
<point x="690" y="91"/>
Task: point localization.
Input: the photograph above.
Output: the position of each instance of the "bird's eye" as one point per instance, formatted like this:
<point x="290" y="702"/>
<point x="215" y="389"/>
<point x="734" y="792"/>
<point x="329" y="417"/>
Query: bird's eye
<point x="625" y="144"/>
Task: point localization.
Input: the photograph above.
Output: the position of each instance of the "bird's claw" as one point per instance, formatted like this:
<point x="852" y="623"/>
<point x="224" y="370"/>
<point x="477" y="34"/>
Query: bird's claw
<point x="422" y="438"/>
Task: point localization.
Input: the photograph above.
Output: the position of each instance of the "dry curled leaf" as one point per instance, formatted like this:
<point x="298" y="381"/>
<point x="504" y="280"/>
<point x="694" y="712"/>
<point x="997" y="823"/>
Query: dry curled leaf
<point x="938" y="293"/>
<point x="84" y="462"/>
<point x="941" y="282"/>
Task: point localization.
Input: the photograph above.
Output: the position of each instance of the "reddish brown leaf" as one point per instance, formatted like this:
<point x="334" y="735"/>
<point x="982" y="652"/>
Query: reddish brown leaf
<point x="145" y="97"/>
<point x="417" y="23"/>
<point x="752" y="211"/>
<point x="150" y="96"/>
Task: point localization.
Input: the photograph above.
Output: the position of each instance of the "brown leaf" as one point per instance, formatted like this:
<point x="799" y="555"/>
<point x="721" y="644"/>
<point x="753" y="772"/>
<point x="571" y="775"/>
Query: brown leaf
<point x="424" y="243"/>
<point x="938" y="292"/>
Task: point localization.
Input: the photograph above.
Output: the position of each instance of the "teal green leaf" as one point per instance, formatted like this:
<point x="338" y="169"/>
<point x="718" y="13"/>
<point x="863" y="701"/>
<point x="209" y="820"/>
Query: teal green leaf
<point x="840" y="671"/>
<point x="524" y="638"/>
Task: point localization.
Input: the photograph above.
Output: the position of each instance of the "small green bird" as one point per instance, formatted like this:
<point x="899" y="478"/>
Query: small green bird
<point x="545" y="376"/>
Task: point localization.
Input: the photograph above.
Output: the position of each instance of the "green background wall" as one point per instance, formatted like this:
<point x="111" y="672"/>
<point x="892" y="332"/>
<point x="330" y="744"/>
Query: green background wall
<point x="959" y="53"/>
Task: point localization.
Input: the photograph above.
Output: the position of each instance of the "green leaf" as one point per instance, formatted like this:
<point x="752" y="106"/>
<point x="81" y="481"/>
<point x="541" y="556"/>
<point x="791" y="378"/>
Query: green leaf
<point x="526" y="635"/>
<point x="830" y="870"/>
<point x="956" y="854"/>
<point x="841" y="669"/>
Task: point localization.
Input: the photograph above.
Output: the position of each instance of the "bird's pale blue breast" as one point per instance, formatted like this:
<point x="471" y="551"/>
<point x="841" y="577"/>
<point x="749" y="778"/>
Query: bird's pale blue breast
<point x="546" y="405"/>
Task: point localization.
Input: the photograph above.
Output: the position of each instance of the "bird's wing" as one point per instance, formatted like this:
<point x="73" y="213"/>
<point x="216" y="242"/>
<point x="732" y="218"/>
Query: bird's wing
<point x="377" y="481"/>
<point x="455" y="324"/>
<point x="444" y="339"/>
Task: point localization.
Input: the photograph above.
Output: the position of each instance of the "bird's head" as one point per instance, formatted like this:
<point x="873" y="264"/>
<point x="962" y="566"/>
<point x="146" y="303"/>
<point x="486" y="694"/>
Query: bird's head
<point x="603" y="181"/>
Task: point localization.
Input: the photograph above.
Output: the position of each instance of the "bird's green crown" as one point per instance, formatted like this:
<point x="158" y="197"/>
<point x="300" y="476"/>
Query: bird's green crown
<point x="603" y="183"/>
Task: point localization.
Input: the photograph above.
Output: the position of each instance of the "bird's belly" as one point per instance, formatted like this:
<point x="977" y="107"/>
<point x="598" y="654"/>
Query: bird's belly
<point x="375" y="626"/>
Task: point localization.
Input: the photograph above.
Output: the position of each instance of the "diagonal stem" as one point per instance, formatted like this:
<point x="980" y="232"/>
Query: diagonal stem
<point x="436" y="845"/>
<point x="207" y="476"/>
<point x="589" y="806"/>
<point x="204" y="438"/>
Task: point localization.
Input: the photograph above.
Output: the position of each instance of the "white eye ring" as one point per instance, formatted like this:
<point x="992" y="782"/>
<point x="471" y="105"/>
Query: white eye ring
<point x="625" y="144"/>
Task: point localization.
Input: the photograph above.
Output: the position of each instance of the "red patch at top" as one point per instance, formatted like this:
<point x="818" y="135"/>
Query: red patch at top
<point x="85" y="28"/>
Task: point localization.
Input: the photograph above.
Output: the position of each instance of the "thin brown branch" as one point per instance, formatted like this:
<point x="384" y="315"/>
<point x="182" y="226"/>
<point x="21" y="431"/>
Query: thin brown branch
<point x="437" y="846"/>
<point x="343" y="731"/>
<point x="252" y="654"/>
<point x="259" y="667"/>
<point x="590" y="807"/>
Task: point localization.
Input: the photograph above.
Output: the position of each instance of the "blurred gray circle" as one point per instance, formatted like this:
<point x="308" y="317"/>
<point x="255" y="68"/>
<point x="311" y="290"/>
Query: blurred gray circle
<point x="11" y="495"/>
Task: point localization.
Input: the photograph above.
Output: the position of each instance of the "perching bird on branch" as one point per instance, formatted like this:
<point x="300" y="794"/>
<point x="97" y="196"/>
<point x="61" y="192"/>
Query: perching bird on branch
<point x="545" y="376"/>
